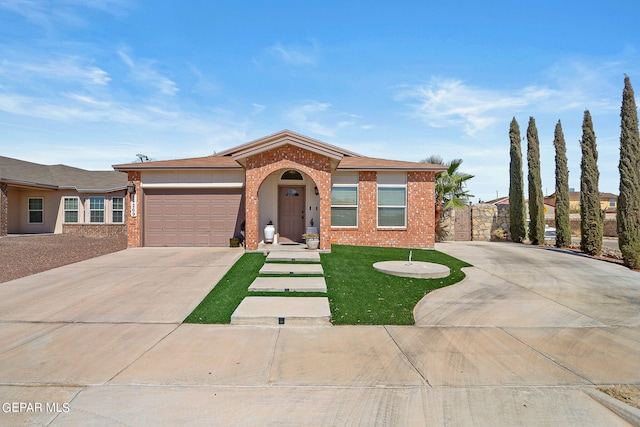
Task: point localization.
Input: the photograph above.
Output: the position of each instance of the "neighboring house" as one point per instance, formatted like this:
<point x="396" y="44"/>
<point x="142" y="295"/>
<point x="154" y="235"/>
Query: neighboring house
<point x="37" y="198"/>
<point x="608" y="201"/>
<point x="499" y="201"/>
<point x="549" y="206"/>
<point x="290" y="180"/>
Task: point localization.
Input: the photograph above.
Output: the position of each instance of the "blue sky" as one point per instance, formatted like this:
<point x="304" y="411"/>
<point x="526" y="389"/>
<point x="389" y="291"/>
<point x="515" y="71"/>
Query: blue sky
<point x="91" y="83"/>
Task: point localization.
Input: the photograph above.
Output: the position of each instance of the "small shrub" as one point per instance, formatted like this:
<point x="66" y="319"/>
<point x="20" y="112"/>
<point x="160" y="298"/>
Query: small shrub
<point x="499" y="234"/>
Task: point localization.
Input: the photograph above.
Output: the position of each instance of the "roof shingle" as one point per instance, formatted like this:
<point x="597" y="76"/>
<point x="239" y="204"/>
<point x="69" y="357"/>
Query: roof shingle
<point x="59" y="176"/>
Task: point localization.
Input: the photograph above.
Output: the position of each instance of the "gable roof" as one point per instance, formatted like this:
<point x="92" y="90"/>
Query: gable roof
<point x="371" y="163"/>
<point x="286" y="137"/>
<point x="234" y="158"/>
<point x="207" y="162"/>
<point x="576" y="195"/>
<point x="499" y="201"/>
<point x="54" y="177"/>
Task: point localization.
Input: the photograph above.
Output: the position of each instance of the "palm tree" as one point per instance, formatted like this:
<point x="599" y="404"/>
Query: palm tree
<point x="451" y="192"/>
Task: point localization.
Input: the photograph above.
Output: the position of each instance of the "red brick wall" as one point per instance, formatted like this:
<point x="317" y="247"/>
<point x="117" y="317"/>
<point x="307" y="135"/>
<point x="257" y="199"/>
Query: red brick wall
<point x="260" y="166"/>
<point x="4" y="209"/>
<point x="420" y="202"/>
<point x="95" y="230"/>
<point x="134" y="224"/>
<point x="420" y="231"/>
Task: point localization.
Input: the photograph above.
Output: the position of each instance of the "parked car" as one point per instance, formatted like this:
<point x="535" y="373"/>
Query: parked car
<point x="549" y="233"/>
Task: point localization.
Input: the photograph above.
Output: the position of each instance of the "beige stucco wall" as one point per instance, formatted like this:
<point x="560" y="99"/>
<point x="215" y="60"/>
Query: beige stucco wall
<point x="186" y="176"/>
<point x="19" y="211"/>
<point x="53" y="209"/>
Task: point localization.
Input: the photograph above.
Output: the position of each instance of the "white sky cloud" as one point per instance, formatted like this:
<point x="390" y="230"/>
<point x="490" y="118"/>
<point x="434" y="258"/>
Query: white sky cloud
<point x="317" y="117"/>
<point x="66" y="12"/>
<point x="67" y="68"/>
<point x="144" y="71"/>
<point x="450" y="102"/>
<point x="296" y="55"/>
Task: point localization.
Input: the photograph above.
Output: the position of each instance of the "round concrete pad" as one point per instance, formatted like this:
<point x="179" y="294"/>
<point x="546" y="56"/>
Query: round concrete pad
<point x="419" y="269"/>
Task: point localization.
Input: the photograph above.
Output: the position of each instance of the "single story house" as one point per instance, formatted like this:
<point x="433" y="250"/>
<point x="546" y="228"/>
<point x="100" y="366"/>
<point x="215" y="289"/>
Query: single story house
<point x="549" y="207"/>
<point x="608" y="201"/>
<point x="36" y="198"/>
<point x="289" y="180"/>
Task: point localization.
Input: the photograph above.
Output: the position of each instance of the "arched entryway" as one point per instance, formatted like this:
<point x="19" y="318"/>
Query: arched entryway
<point x="289" y="201"/>
<point x="264" y="172"/>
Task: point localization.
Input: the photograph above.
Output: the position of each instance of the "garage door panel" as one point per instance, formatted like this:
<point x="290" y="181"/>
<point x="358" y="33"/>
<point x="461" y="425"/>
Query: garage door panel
<point x="202" y="225"/>
<point x="194" y="218"/>
<point x="202" y="210"/>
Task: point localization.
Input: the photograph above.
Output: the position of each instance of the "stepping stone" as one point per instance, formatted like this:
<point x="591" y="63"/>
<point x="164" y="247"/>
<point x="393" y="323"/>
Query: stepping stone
<point x="292" y="269"/>
<point x="283" y="311"/>
<point x="294" y="256"/>
<point x="288" y="284"/>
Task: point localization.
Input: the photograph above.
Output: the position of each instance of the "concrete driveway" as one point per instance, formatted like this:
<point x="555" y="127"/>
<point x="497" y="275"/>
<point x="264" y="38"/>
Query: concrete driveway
<point x="142" y="285"/>
<point x="522" y="341"/>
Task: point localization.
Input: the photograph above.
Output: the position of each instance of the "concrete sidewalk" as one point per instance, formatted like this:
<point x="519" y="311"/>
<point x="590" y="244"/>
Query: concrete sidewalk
<point x="537" y="343"/>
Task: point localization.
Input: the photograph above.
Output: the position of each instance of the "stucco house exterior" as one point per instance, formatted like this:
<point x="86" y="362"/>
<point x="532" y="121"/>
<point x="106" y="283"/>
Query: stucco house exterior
<point x="290" y="180"/>
<point x="608" y="201"/>
<point x="36" y="198"/>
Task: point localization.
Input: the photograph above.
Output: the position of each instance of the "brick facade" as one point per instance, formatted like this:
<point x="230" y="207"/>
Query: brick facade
<point x="260" y="166"/>
<point x="420" y="230"/>
<point x="4" y="209"/>
<point x="134" y="224"/>
<point x="95" y="230"/>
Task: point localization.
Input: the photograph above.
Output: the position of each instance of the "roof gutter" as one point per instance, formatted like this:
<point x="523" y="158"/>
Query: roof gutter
<point x="95" y="190"/>
<point x="29" y="183"/>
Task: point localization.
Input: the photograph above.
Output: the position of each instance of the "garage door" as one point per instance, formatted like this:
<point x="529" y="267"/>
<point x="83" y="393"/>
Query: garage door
<point x="191" y="217"/>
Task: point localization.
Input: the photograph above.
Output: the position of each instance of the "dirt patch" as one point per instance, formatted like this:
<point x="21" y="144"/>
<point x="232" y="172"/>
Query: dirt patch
<point x="608" y="254"/>
<point x="625" y="393"/>
<point x="22" y="256"/>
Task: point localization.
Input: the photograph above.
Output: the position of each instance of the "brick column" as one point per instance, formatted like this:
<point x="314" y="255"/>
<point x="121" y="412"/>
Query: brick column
<point x="260" y="166"/>
<point x="4" y="209"/>
<point x="253" y="180"/>
<point x="420" y="214"/>
<point x="134" y="224"/>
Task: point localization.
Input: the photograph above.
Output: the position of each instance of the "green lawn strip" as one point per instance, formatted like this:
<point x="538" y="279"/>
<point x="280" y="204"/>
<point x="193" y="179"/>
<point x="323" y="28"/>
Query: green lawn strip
<point x="224" y="298"/>
<point x="360" y="295"/>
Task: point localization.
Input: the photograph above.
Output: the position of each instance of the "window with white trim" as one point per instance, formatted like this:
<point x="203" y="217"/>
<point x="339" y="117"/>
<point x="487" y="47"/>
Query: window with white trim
<point x="344" y="205"/>
<point x="36" y="210"/>
<point x="96" y="209"/>
<point x="392" y="206"/>
<point x="117" y="210"/>
<point x="70" y="210"/>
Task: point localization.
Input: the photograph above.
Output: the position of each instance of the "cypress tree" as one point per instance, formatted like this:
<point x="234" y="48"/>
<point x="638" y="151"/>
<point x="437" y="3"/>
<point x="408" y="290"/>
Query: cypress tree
<point x="563" y="226"/>
<point x="591" y="223"/>
<point x="628" y="213"/>
<point x="536" y="199"/>
<point x="516" y="186"/>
